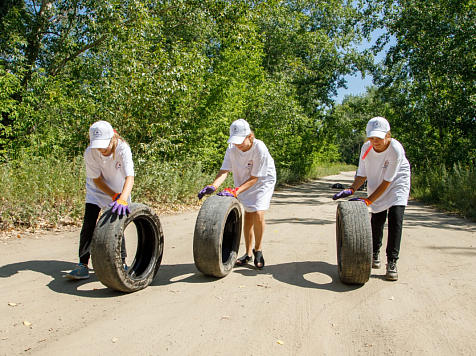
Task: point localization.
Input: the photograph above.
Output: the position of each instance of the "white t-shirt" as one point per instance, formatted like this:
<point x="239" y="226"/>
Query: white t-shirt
<point x="256" y="162"/>
<point x="390" y="165"/>
<point x="114" y="172"/>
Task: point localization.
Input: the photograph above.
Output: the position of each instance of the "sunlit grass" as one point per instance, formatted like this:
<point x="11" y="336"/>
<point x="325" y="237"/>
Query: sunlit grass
<point x="47" y="192"/>
<point x="38" y="192"/>
<point x="451" y="190"/>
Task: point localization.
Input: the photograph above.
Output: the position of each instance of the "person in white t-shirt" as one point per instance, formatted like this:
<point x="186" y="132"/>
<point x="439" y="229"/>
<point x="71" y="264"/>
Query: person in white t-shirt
<point x="109" y="181"/>
<point x="387" y="171"/>
<point x="254" y="176"/>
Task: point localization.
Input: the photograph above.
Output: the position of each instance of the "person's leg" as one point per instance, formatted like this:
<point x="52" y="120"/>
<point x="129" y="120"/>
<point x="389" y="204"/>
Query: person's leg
<point x="248" y="235"/>
<point x="259" y="224"/>
<point x="377" y="222"/>
<point x="248" y="232"/>
<point x="395" y="225"/>
<point x="91" y="214"/>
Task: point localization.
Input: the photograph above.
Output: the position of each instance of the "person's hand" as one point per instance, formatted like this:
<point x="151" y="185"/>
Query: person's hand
<point x="209" y="189"/>
<point x="120" y="207"/>
<point x="116" y="196"/>
<point x="228" y="192"/>
<point x="365" y="200"/>
<point x="343" y="194"/>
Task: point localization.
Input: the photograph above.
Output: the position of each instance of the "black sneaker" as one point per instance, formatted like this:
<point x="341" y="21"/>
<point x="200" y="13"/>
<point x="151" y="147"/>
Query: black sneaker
<point x="376" y="263"/>
<point x="392" y="274"/>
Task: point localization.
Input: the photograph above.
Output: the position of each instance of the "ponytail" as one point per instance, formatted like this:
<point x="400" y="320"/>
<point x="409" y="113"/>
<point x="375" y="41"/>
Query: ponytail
<point x="115" y="140"/>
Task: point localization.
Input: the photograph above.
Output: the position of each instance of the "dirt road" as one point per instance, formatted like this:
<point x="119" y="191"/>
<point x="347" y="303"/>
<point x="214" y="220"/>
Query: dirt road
<point x="295" y="306"/>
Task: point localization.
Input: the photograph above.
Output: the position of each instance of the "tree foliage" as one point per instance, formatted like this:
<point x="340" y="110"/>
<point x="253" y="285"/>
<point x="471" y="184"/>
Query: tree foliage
<point x="428" y="76"/>
<point x="350" y="118"/>
<point x="172" y="75"/>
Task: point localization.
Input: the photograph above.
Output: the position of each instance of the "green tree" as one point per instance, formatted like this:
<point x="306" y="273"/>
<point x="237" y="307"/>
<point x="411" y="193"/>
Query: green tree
<point x="40" y="42"/>
<point x="350" y="118"/>
<point x="428" y="76"/>
<point x="171" y="76"/>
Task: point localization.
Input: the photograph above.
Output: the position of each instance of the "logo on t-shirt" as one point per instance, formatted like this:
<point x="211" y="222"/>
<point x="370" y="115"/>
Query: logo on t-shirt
<point x="118" y="165"/>
<point x="249" y="165"/>
<point x="97" y="133"/>
<point x="385" y="164"/>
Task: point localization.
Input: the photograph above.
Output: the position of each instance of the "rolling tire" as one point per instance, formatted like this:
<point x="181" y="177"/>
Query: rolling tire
<point x="106" y="249"/>
<point x="354" y="242"/>
<point x="217" y="235"/>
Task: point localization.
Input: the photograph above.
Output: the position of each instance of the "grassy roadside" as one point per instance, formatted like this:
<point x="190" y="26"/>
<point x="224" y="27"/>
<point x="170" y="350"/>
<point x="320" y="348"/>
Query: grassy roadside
<point x="46" y="194"/>
<point x="453" y="190"/>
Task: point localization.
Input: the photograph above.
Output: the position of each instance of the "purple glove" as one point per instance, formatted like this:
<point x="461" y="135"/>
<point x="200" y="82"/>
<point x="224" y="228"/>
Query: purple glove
<point x="343" y="194"/>
<point x="209" y="189"/>
<point x="120" y="207"/>
<point x="226" y="194"/>
<point x="365" y="200"/>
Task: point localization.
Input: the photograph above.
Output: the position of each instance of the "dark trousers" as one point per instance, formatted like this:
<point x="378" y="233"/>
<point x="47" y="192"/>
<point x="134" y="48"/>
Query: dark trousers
<point x="395" y="223"/>
<point x="91" y="214"/>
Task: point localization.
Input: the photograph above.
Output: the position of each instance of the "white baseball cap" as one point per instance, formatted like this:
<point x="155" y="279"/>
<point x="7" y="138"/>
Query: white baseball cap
<point x="239" y="129"/>
<point x="100" y="134"/>
<point x="377" y="127"/>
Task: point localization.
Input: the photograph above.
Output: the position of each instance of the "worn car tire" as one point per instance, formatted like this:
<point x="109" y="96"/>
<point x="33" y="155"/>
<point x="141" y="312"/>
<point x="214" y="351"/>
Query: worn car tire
<point x="106" y="249"/>
<point x="217" y="235"/>
<point x="354" y="242"/>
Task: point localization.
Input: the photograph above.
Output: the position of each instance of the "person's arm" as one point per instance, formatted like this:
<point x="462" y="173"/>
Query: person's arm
<point x="126" y="190"/>
<point x="101" y="184"/>
<point x="379" y="191"/>
<point x="358" y="181"/>
<point x="220" y="178"/>
<point x="246" y="185"/>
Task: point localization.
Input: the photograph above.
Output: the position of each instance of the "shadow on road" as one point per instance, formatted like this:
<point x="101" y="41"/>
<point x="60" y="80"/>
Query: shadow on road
<point x="61" y="284"/>
<point x="314" y="192"/>
<point x="92" y="288"/>
<point x="294" y="273"/>
<point x="291" y="273"/>
<point x="305" y="221"/>
<point x="318" y="192"/>
<point x="455" y="250"/>
<point x="188" y="273"/>
<point x="419" y="215"/>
